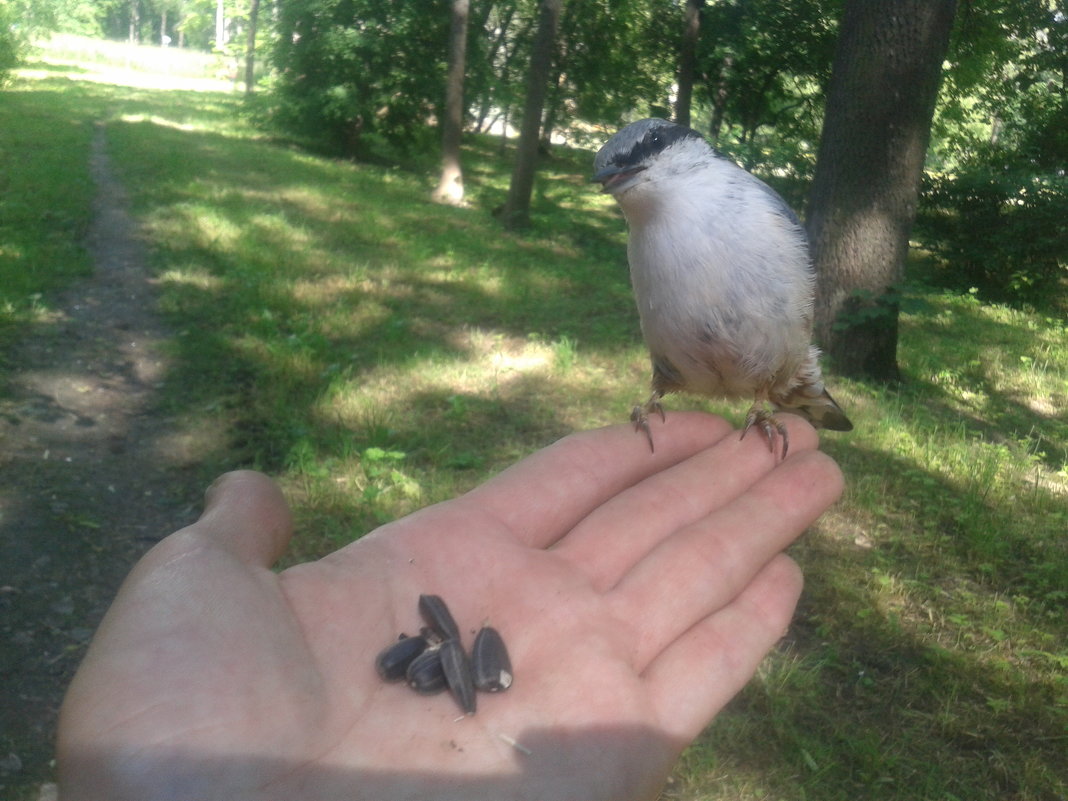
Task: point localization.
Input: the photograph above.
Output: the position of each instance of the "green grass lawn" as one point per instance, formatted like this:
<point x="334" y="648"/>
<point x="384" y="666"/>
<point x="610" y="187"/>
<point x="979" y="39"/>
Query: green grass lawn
<point x="377" y="352"/>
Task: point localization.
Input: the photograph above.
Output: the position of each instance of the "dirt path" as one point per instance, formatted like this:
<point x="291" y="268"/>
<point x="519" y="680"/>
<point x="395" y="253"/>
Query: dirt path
<point x="87" y="478"/>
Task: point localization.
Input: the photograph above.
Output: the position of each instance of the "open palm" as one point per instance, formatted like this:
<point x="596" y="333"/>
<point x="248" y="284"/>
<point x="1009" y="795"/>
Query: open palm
<point x="637" y="593"/>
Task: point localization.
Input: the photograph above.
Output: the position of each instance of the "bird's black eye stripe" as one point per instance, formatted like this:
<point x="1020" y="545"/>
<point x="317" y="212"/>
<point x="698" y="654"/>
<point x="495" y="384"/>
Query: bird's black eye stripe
<point x="656" y="141"/>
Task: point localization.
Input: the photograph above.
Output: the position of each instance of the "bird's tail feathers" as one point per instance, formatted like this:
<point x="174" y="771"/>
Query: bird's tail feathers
<point x="821" y="411"/>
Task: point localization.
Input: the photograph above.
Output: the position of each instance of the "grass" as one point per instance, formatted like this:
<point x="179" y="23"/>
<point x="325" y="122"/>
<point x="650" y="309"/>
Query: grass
<point x="45" y="192"/>
<point x="377" y="353"/>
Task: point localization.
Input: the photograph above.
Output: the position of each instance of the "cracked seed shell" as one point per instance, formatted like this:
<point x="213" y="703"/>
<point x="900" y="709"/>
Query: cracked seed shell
<point x="438" y="617"/>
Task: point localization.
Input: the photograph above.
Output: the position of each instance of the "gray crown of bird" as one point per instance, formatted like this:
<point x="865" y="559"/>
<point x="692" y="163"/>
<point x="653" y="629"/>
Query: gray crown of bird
<point x="722" y="278"/>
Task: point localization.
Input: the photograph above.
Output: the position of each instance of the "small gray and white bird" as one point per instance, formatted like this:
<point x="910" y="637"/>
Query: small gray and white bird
<point x="722" y="276"/>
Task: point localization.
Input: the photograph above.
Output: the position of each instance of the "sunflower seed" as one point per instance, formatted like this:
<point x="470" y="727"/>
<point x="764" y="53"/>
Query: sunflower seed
<point x="490" y="665"/>
<point x="458" y="674"/>
<point x="392" y="663"/>
<point x="426" y="674"/>
<point x="438" y="617"/>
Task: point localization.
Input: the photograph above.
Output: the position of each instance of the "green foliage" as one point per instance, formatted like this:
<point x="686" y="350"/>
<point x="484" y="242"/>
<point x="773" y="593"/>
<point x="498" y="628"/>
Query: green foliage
<point x="498" y="51"/>
<point x="361" y="74"/>
<point x="20" y="21"/>
<point x="615" y="56"/>
<point x="1000" y="230"/>
<point x="994" y="211"/>
<point x="10" y="45"/>
<point x="766" y="65"/>
<point x="80" y="17"/>
<point x="1005" y="91"/>
<point x="368" y="77"/>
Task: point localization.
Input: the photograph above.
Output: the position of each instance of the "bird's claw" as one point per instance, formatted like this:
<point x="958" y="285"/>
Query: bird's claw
<point x="769" y="424"/>
<point x="639" y="415"/>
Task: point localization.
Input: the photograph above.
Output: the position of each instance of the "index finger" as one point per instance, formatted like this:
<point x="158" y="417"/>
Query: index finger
<point x="543" y="497"/>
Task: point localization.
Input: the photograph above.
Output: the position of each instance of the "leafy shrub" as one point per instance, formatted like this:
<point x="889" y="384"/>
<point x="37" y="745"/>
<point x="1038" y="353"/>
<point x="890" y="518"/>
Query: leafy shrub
<point x="360" y="76"/>
<point x="11" y="43"/>
<point x="1000" y="230"/>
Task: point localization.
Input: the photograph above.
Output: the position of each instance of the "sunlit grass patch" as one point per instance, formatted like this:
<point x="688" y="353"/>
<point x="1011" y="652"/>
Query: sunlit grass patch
<point x="123" y="64"/>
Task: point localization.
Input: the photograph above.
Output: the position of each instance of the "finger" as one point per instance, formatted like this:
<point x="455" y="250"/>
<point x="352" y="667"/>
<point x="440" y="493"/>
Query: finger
<point x="615" y="536"/>
<point x="697" y="674"/>
<point x="246" y="513"/>
<point x="701" y="568"/>
<point x="542" y="497"/>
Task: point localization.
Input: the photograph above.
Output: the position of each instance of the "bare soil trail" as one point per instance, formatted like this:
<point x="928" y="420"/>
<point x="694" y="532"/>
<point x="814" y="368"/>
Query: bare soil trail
<point x="89" y="478"/>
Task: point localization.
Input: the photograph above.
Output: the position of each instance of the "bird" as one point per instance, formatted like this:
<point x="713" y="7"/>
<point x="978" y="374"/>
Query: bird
<point x="722" y="277"/>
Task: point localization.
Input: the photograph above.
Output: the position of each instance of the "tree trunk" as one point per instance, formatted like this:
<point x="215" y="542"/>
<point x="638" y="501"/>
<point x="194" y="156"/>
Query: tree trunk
<point x="250" y="48"/>
<point x="880" y="102"/>
<point x="491" y="58"/>
<point x="554" y="95"/>
<point x="720" y="94"/>
<point x="691" y="31"/>
<point x="220" y="25"/>
<point x="516" y="211"/>
<point x="135" y="21"/>
<point x="451" y="187"/>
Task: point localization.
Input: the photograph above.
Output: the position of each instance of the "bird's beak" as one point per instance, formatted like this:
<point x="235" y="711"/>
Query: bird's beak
<point x="611" y="178"/>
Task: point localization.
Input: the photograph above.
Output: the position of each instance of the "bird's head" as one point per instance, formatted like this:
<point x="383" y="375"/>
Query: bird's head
<point x="645" y="151"/>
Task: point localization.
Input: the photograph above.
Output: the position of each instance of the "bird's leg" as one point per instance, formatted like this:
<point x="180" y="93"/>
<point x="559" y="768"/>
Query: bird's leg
<point x="665" y="379"/>
<point x="639" y="415"/>
<point x="769" y="424"/>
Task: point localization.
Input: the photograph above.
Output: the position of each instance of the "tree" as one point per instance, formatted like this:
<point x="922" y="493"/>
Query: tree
<point x="11" y="45"/>
<point x="500" y="30"/>
<point x="221" y="34"/>
<point x="451" y="187"/>
<point x="250" y="47"/>
<point x="767" y="65"/>
<point x="994" y="210"/>
<point x="880" y="102"/>
<point x="360" y="76"/>
<point x="616" y="58"/>
<point x="516" y="211"/>
<point x="23" y="21"/>
<point x="691" y="33"/>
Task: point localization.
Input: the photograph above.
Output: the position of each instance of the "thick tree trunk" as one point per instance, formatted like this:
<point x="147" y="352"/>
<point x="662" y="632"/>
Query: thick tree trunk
<point x="691" y="31"/>
<point x="451" y="187"/>
<point x="516" y="211"/>
<point x="880" y="102"/>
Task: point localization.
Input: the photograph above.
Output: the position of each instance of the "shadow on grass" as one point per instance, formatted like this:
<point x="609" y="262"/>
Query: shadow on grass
<point x="916" y="660"/>
<point x="59" y="69"/>
<point x="991" y="365"/>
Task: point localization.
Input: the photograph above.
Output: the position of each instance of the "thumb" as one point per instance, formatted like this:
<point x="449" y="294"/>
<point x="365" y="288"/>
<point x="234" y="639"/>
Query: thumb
<point x="246" y="513"/>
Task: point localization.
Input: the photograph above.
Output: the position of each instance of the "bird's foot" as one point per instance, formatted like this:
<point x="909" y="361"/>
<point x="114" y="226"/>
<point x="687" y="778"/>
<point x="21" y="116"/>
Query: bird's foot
<point x="769" y="424"/>
<point x="639" y="415"/>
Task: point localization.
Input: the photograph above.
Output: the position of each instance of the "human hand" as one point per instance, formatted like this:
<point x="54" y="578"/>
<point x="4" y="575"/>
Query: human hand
<point x="637" y="594"/>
